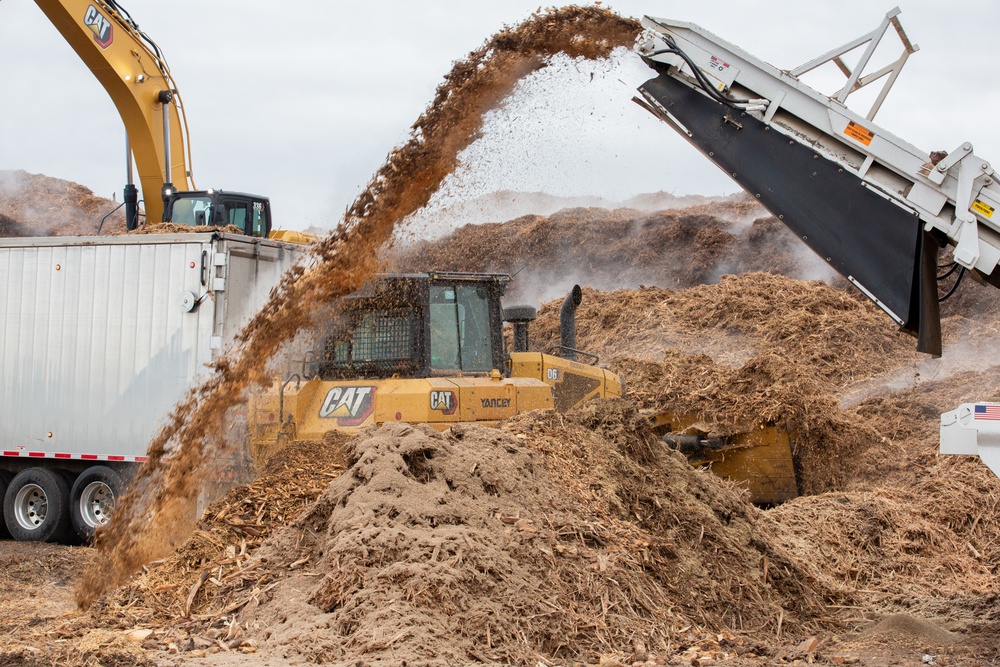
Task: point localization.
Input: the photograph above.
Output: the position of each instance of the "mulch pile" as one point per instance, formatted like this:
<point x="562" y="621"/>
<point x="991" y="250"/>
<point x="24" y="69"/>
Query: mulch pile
<point x="188" y="583"/>
<point x="735" y="354"/>
<point x="37" y="205"/>
<point x="619" y="248"/>
<point x="9" y="227"/>
<point x="554" y="538"/>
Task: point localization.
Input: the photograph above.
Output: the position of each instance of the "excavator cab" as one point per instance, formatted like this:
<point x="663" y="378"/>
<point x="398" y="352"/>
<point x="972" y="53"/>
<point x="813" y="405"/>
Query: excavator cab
<point x="217" y="208"/>
<point x="417" y="326"/>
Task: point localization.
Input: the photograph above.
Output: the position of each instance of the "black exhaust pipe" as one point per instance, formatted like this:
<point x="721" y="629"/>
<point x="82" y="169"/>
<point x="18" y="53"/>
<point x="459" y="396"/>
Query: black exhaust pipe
<point x="520" y="316"/>
<point x="567" y="323"/>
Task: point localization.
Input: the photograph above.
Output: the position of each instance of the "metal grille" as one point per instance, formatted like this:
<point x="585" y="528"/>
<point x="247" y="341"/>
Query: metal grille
<point x="379" y="343"/>
<point x="382" y="336"/>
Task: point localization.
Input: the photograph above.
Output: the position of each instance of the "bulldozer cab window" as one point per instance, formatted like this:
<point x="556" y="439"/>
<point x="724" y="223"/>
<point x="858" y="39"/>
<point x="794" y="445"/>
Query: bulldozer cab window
<point x="370" y="342"/>
<point x="460" y="334"/>
<point x="193" y="211"/>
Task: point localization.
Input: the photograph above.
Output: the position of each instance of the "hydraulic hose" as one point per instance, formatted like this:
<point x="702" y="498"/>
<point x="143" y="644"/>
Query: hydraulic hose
<point x="703" y="81"/>
<point x="958" y="281"/>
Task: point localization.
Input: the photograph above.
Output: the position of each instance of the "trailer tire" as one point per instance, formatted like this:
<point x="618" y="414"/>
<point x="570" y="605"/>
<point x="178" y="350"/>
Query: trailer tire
<point x="36" y="506"/>
<point x="5" y="478"/>
<point x="92" y="498"/>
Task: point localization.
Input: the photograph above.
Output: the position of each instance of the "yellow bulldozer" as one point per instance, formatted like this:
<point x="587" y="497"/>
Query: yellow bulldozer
<point x="425" y="348"/>
<point x="429" y="348"/>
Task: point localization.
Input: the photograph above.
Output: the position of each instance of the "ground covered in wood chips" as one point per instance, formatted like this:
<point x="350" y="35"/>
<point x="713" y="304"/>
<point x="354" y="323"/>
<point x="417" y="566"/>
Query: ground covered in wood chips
<point x="579" y="538"/>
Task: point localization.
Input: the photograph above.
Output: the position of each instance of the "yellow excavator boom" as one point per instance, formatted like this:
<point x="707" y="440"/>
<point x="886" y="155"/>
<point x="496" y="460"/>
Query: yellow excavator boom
<point x="133" y="72"/>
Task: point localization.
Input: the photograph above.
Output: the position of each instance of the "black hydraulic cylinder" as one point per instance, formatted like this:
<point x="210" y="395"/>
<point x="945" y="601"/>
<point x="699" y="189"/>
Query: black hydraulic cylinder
<point x="131" y="198"/>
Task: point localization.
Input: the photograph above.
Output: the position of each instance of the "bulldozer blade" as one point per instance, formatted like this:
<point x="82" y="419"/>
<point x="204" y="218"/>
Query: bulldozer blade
<point x="759" y="459"/>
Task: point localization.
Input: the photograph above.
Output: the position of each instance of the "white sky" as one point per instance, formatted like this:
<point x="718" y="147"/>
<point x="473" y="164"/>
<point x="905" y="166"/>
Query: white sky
<point x="302" y="101"/>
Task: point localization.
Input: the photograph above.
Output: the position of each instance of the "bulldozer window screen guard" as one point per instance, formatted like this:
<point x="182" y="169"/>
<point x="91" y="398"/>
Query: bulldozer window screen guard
<point x="460" y="333"/>
<point x="382" y="336"/>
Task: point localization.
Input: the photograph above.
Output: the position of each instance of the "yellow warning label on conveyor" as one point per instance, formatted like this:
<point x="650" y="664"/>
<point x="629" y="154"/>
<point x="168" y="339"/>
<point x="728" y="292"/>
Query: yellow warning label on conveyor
<point x="983" y="209"/>
<point x="859" y="133"/>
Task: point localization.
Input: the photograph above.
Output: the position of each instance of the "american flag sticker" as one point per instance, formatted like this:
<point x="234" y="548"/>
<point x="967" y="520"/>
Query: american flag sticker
<point x="987" y="412"/>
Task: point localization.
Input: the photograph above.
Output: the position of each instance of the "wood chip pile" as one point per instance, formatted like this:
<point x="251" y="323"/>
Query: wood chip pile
<point x="578" y="538"/>
<point x="205" y="577"/>
<point x="36" y="205"/>
<point x="553" y="538"/>
<point x="10" y="227"/>
<point x="763" y="331"/>
<point x="41" y="205"/>
<point x="624" y="247"/>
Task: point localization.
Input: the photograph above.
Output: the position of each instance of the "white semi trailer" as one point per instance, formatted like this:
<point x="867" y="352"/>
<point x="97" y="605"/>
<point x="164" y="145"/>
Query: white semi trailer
<point x="99" y="338"/>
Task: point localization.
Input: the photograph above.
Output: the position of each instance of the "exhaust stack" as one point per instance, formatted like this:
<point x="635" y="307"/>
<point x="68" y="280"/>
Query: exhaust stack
<point x="520" y="316"/>
<point x="567" y="323"/>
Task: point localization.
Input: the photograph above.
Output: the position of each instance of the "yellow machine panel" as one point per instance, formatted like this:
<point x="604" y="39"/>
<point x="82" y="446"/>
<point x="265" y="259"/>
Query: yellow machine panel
<point x="761" y="461"/>
<point x="310" y="410"/>
<point x="572" y="382"/>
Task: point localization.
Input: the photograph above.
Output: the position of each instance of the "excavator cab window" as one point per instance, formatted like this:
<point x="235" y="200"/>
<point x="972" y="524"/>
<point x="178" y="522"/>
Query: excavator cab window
<point x="249" y="213"/>
<point x="236" y="214"/>
<point x="192" y="211"/>
<point x="260" y="220"/>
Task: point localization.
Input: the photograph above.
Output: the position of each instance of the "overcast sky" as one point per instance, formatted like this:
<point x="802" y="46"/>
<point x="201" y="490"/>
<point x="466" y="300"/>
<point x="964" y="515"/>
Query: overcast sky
<point x="302" y="101"/>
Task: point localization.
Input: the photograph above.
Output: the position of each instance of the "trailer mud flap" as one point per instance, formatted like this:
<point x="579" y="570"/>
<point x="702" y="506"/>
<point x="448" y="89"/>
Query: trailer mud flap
<point x="877" y="245"/>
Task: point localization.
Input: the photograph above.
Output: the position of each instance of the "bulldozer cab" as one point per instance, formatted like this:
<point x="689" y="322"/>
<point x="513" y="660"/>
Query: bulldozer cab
<point x="416" y="326"/>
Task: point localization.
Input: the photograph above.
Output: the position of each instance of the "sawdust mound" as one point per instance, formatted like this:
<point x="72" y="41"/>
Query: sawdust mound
<point x="922" y="527"/>
<point x="764" y="330"/>
<point x="10" y="227"/>
<point x="230" y="529"/>
<point x="913" y="628"/>
<point x="146" y="521"/>
<point x="111" y="649"/>
<point x="608" y="249"/>
<point x="555" y="538"/>
<point x="174" y="228"/>
<point x="36" y="205"/>
<point x="840" y="337"/>
<point x="43" y="206"/>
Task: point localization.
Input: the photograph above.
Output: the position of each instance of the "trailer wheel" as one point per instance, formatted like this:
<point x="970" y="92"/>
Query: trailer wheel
<point x="5" y="478"/>
<point x="36" y="507"/>
<point x="93" y="497"/>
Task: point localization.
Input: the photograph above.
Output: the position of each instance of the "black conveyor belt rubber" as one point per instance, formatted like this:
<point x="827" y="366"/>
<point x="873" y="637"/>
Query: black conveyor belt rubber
<point x="857" y="231"/>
